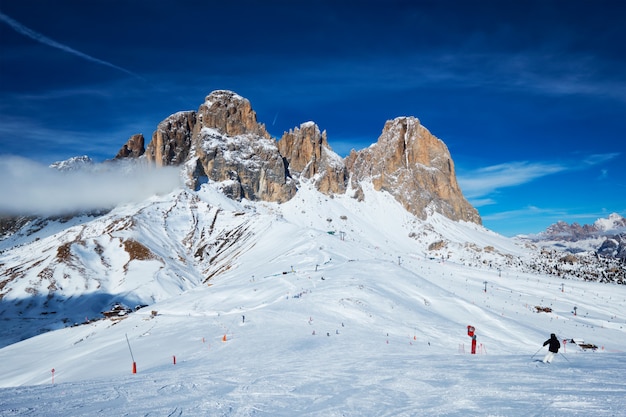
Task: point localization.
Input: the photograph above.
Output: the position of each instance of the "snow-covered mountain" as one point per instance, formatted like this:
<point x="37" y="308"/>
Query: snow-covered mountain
<point x="76" y="163"/>
<point x="614" y="223"/>
<point x="344" y="299"/>
<point x="606" y="237"/>
<point x="322" y="305"/>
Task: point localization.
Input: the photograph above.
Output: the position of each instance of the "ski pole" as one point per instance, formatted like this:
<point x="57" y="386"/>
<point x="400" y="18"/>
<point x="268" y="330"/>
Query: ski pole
<point x="564" y="357"/>
<point x="536" y="352"/>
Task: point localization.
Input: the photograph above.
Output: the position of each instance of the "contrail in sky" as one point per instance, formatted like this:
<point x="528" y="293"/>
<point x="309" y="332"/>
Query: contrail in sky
<point x="23" y="30"/>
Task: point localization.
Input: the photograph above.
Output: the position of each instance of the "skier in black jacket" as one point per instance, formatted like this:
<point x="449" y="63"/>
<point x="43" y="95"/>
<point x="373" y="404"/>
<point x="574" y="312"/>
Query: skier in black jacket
<point x="553" y="349"/>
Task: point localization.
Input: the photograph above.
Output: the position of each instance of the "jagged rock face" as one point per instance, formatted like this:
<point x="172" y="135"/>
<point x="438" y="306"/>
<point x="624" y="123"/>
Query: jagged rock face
<point x="223" y="142"/>
<point x="309" y="156"/>
<point x="230" y="114"/>
<point x="249" y="166"/>
<point x="134" y="148"/>
<point x="614" y="247"/>
<point x="415" y="167"/>
<point x="574" y="232"/>
<point x="234" y="149"/>
<point x="11" y="224"/>
<point x="171" y="142"/>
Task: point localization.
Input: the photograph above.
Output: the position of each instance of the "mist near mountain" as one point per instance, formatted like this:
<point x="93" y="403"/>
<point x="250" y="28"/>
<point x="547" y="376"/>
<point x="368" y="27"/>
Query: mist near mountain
<point x="36" y="189"/>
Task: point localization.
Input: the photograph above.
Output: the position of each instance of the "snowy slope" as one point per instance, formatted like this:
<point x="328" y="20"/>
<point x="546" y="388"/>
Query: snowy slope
<point x="327" y="306"/>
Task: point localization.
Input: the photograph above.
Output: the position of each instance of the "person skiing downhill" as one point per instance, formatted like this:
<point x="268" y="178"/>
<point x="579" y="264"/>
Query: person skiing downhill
<point x="553" y="349"/>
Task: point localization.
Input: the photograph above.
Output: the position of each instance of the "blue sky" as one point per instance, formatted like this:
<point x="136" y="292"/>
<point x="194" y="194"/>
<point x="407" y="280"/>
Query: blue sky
<point x="529" y="96"/>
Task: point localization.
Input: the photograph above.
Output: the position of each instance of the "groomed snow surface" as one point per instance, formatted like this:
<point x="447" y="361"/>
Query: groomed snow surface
<point x="359" y="323"/>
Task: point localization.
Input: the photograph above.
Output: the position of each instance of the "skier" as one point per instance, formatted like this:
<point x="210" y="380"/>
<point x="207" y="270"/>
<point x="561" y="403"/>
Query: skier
<point x="553" y="349"/>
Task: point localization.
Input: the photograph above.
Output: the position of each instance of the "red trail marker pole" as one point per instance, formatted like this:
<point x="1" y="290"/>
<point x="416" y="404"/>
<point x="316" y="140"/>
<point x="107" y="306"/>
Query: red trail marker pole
<point x="131" y="355"/>
<point x="470" y="333"/>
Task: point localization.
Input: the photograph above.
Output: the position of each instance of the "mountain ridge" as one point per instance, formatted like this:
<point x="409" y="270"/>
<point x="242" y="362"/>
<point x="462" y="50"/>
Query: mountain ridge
<point x="222" y="141"/>
<point x="606" y="237"/>
<point x="239" y="190"/>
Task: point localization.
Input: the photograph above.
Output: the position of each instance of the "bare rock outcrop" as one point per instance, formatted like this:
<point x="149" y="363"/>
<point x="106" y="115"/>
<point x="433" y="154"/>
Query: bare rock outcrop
<point x="415" y="167"/>
<point x="309" y="156"/>
<point x="171" y="142"/>
<point x="614" y="247"/>
<point x="133" y="148"/>
<point x="230" y="114"/>
<point x="223" y="142"/>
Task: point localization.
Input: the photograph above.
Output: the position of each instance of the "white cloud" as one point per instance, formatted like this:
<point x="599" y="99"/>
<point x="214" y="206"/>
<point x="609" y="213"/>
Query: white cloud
<point x="484" y="181"/>
<point x="478" y="184"/>
<point x="596" y="159"/>
<point x="30" y="188"/>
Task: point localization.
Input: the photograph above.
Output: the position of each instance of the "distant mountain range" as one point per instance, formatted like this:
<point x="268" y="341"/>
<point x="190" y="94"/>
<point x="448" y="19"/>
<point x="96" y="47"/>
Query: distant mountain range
<point x="572" y="232"/>
<point x="606" y="237"/>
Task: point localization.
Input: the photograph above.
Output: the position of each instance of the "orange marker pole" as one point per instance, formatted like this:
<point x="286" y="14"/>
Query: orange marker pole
<point x="131" y="355"/>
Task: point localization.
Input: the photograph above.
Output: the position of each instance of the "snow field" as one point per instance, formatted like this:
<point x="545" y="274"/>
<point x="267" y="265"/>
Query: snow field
<point x="364" y="323"/>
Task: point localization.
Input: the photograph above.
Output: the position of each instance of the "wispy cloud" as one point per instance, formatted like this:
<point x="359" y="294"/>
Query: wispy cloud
<point x="479" y="184"/>
<point x="23" y="30"/>
<point x="600" y="158"/>
<point x="484" y="181"/>
<point x="526" y="212"/>
<point x="36" y="189"/>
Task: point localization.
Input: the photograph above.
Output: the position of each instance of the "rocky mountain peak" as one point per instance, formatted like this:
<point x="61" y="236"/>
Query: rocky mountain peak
<point x="223" y="142"/>
<point x="309" y="156"/>
<point x="133" y="148"/>
<point x="572" y="232"/>
<point x="230" y="114"/>
<point x="606" y="237"/>
<point x="415" y="167"/>
<point x="75" y="163"/>
<point x="561" y="230"/>
<point x="171" y="141"/>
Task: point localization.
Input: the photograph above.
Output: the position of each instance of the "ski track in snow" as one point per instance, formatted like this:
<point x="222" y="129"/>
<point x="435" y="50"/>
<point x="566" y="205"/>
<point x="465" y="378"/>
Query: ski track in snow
<point x="335" y="383"/>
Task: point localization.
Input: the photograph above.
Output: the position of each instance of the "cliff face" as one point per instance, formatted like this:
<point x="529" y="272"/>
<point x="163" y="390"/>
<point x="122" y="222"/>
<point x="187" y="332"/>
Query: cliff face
<point x="223" y="142"/>
<point x="230" y="114"/>
<point x="415" y="167"/>
<point x="171" y="142"/>
<point x="309" y="156"/>
<point x="134" y="148"/>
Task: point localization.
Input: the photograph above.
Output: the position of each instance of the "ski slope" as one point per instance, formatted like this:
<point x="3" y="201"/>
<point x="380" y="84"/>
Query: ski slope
<point x="331" y="307"/>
